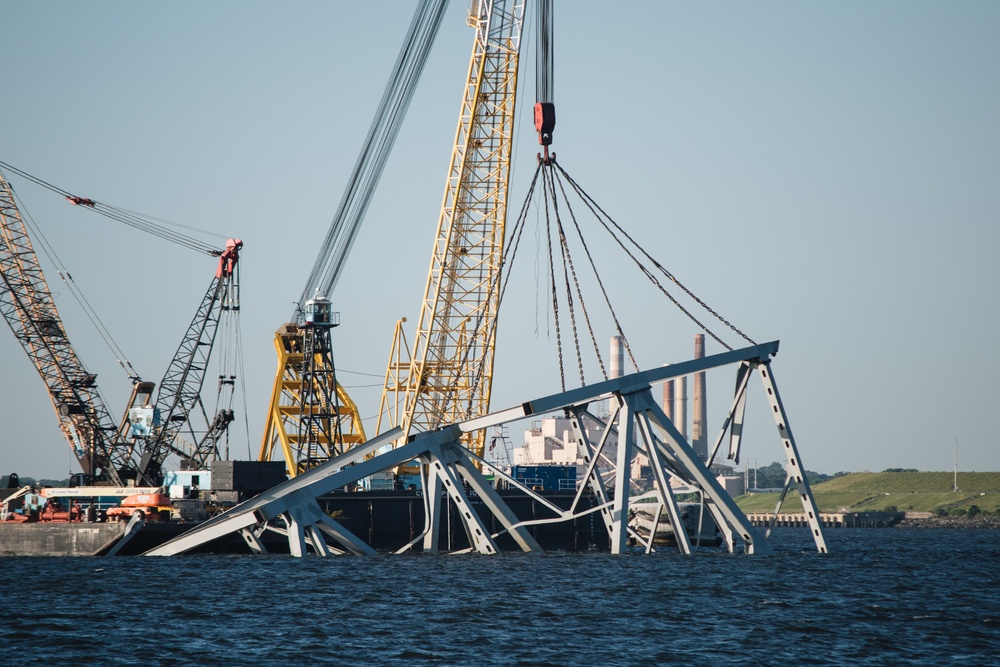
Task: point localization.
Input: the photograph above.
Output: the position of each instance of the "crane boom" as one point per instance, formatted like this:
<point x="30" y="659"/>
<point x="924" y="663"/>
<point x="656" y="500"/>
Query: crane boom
<point x="448" y="375"/>
<point x="179" y="398"/>
<point x="27" y="306"/>
<point x="312" y="417"/>
<point x="375" y="152"/>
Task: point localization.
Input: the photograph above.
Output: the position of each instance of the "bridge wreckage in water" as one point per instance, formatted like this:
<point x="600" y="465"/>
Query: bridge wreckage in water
<point x="450" y="470"/>
<point x="437" y="390"/>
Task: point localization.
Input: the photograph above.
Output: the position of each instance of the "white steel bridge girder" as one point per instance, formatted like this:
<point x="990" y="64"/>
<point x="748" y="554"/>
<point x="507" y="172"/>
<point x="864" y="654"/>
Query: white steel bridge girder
<point x="447" y="467"/>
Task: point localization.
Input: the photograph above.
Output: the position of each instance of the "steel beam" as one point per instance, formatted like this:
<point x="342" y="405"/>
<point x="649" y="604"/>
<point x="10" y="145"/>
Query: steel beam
<point x="664" y="493"/>
<point x="794" y="468"/>
<point x="592" y="455"/>
<point x="447" y="467"/>
<point x="694" y="472"/>
<point x="624" y="384"/>
<point x="497" y="506"/>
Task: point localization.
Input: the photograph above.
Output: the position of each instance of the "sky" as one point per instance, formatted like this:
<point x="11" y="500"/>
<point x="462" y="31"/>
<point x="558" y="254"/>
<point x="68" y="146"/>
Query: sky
<point x="823" y="174"/>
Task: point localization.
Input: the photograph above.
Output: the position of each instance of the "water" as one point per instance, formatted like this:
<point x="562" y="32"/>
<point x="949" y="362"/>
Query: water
<point x="882" y="597"/>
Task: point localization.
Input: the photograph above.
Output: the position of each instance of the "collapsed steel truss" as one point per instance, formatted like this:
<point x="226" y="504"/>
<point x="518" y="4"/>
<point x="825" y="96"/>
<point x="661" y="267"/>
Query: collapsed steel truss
<point x="447" y="467"/>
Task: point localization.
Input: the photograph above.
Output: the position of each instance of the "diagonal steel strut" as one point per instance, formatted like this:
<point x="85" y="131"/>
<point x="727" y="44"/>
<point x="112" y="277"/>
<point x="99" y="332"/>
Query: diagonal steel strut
<point x="447" y="468"/>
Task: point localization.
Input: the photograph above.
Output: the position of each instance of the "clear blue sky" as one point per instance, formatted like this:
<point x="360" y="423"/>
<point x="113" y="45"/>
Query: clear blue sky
<point x="825" y="174"/>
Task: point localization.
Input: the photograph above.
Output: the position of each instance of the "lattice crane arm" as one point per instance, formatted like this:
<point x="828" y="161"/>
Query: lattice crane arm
<point x="27" y="306"/>
<point x="179" y="396"/>
<point x="448" y="375"/>
<point x="110" y="452"/>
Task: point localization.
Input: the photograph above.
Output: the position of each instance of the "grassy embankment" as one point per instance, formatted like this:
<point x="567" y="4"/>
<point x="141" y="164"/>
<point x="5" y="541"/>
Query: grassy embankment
<point x="903" y="491"/>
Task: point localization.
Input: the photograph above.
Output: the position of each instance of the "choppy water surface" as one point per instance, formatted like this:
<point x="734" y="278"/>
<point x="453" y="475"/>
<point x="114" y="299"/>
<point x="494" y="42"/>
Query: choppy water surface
<point x="882" y="597"/>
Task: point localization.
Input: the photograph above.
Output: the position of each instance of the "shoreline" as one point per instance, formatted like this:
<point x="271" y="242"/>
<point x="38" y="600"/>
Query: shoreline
<point x="951" y="522"/>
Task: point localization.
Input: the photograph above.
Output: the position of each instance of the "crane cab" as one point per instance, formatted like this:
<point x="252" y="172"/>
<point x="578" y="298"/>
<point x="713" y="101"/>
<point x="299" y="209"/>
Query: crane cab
<point x="319" y="312"/>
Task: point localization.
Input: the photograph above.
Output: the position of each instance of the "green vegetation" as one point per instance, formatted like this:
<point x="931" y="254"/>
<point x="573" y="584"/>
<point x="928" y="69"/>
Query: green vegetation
<point x="25" y="481"/>
<point x="773" y="476"/>
<point x="903" y="490"/>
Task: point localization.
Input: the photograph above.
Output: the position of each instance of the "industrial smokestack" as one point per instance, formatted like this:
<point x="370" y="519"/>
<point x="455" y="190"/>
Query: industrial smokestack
<point x="617" y="364"/>
<point x="617" y="357"/>
<point x="699" y="416"/>
<point x="680" y="404"/>
<point x="668" y="398"/>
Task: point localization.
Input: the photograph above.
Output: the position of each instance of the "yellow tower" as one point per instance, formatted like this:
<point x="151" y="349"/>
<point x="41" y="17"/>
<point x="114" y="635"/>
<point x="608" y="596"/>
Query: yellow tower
<point x="311" y="418"/>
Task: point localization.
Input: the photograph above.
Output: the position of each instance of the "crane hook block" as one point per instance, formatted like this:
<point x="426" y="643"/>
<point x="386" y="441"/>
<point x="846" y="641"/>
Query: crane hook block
<point x="545" y="121"/>
<point x="81" y="201"/>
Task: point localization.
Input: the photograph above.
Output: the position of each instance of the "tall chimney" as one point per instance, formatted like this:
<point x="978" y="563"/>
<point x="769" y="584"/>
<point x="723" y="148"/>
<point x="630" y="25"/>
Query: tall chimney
<point x="668" y="398"/>
<point x="617" y="364"/>
<point x="680" y="404"/>
<point x="699" y="416"/>
<point x="617" y="357"/>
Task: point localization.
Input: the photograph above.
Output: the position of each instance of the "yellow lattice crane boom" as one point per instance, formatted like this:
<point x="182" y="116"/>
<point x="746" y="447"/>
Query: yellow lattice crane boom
<point x="447" y="374"/>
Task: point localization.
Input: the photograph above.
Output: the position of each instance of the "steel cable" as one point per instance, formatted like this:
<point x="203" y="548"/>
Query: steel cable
<point x="374" y="152"/>
<point x="579" y="290"/>
<point x="63" y="272"/>
<point x="567" y="264"/>
<point x="151" y="225"/>
<point x="555" y="294"/>
<point x="544" y="51"/>
<point x="595" y="208"/>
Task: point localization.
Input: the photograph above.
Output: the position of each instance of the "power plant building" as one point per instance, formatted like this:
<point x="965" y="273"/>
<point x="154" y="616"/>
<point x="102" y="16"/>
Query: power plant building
<point x="550" y="441"/>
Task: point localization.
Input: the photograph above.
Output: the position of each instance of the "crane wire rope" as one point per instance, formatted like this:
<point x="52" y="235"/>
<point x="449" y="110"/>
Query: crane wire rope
<point x="544" y="52"/>
<point x="537" y="270"/>
<point x="555" y="291"/>
<point x="576" y="282"/>
<point x="374" y="152"/>
<point x="556" y="176"/>
<point x="155" y="226"/>
<point x="502" y="277"/>
<point x="567" y="266"/>
<point x="602" y="215"/>
<point x="507" y="263"/>
<point x="225" y="392"/>
<point x="600" y="284"/>
<point x="243" y="391"/>
<point x="545" y="124"/>
<point x="48" y="250"/>
<point x="230" y="363"/>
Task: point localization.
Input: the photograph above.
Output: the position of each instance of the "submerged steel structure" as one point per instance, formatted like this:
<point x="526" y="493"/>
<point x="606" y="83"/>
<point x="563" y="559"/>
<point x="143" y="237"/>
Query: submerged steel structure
<point x="450" y="470"/>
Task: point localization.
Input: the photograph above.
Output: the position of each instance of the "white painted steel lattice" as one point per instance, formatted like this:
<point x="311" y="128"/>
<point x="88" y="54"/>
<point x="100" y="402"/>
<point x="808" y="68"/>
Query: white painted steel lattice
<point x="448" y="468"/>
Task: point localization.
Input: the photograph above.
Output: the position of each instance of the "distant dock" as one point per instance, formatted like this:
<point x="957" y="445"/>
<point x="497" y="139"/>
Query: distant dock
<point x="829" y="519"/>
